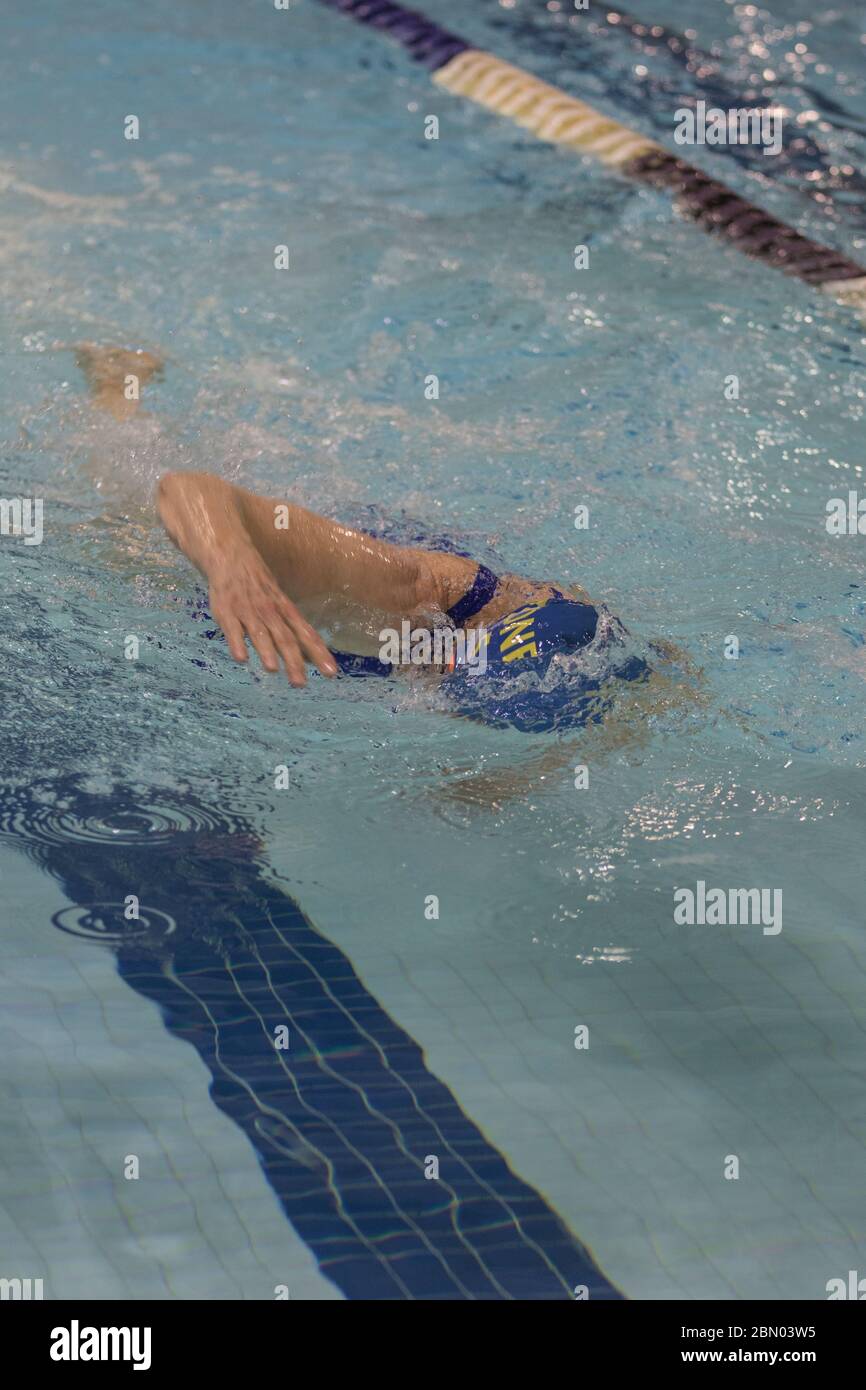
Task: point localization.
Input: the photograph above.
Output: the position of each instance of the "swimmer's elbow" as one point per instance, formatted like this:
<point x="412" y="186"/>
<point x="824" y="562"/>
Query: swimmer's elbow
<point x="165" y="486"/>
<point x="199" y="511"/>
<point x="170" y="484"/>
<point x="176" y="490"/>
<point x="175" y="499"/>
<point x="169" y="491"/>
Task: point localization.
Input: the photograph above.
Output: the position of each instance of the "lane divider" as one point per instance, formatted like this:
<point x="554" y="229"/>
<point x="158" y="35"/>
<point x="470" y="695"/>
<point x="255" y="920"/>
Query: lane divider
<point x="547" y="111"/>
<point x="552" y="115"/>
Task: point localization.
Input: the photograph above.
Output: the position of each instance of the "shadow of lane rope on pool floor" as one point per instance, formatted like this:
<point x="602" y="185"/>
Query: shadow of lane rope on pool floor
<point x="345" y="1119"/>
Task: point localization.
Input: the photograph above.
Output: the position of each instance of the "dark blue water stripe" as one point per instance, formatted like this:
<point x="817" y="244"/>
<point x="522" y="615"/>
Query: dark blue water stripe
<point x="427" y="42"/>
<point x="694" y="59"/>
<point x="345" y="1120"/>
<point x="803" y="153"/>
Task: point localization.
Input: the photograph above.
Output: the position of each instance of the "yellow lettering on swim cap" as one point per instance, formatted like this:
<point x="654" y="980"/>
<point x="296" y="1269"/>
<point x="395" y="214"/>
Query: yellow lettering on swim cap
<point x="511" y="619"/>
<point x="517" y="633"/>
<point x="528" y="648"/>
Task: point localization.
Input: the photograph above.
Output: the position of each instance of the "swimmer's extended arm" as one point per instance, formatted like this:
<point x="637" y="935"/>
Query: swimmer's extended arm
<point x="205" y="519"/>
<point x="256" y="552"/>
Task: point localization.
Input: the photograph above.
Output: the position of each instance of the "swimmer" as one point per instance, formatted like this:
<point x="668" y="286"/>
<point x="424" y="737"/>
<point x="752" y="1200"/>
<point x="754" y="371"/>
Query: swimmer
<point x="277" y="573"/>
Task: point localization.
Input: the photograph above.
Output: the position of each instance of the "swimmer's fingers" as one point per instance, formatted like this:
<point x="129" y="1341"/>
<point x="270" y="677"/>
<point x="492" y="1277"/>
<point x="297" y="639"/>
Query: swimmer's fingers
<point x="307" y="639"/>
<point x="237" y="627"/>
<point x="297" y="640"/>
<point x="286" y="632"/>
<point x="234" y="633"/>
<point x="285" y="643"/>
<point x="263" y="643"/>
<point x="261" y="613"/>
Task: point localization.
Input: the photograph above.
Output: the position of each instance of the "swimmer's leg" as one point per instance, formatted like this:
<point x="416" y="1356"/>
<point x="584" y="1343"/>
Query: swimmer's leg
<point x="115" y="376"/>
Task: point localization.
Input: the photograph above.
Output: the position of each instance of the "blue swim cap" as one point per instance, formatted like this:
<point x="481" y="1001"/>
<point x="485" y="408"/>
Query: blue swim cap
<point x="525" y="642"/>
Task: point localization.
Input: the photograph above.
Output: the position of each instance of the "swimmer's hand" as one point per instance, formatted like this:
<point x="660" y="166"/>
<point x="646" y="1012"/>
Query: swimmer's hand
<point x="202" y="515"/>
<point x="247" y="602"/>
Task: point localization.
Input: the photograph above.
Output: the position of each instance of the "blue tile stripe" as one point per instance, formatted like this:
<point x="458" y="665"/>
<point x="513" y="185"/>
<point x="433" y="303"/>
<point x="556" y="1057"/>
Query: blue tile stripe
<point x="342" y="1122"/>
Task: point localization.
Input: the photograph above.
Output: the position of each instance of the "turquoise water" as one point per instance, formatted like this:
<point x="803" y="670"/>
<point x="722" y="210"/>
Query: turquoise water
<point x="603" y="387"/>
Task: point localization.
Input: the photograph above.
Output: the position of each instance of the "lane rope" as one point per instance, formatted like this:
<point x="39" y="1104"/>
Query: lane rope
<point x="554" y="116"/>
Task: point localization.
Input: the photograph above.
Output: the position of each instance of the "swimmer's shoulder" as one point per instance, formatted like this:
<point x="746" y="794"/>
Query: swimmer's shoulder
<point x="576" y="592"/>
<point x="540" y="591"/>
<point x="515" y="590"/>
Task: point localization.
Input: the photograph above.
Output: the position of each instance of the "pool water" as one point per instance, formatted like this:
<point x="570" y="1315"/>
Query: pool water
<point x="434" y="910"/>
